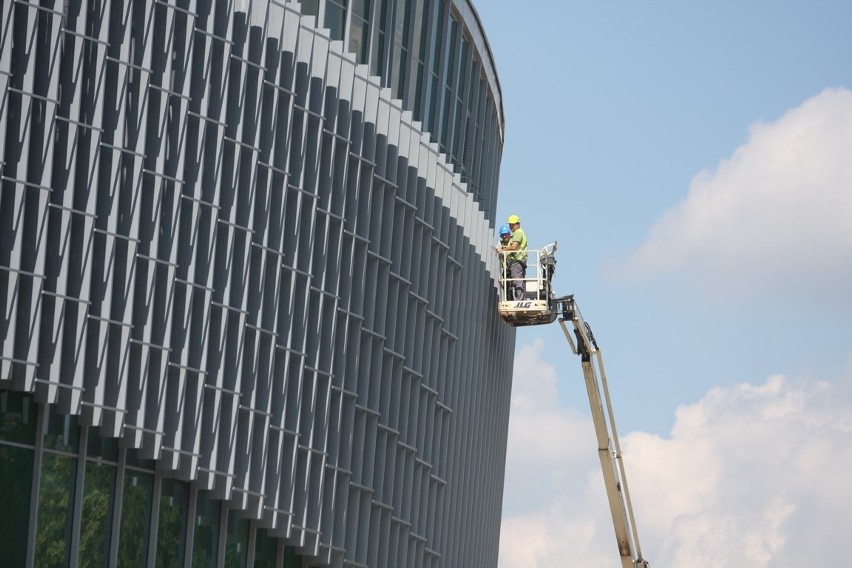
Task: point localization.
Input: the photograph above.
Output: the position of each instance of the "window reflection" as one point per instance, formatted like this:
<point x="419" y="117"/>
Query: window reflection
<point x="415" y="87"/>
<point x="206" y="537"/>
<point x="437" y="16"/>
<point x="434" y="105"/>
<point x="235" y="553"/>
<point x="62" y="432"/>
<point x="310" y="7"/>
<point x="361" y="8"/>
<point x="335" y="16"/>
<point x="418" y="28"/>
<point x="403" y="13"/>
<point x="265" y="550"/>
<point x="16" y="474"/>
<point x="95" y="523"/>
<point x="461" y="71"/>
<point x="135" y="516"/>
<point x="55" y="508"/>
<point x="136" y="462"/>
<point x="291" y="559"/>
<point x="17" y="424"/>
<point x="377" y="56"/>
<point x="17" y="418"/>
<point x="171" y="529"/>
<point x="102" y="448"/>
<point x="400" y="58"/>
<point x="359" y="32"/>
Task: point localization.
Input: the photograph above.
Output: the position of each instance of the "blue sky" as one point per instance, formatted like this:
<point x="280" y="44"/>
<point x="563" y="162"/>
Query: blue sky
<point x="694" y="162"/>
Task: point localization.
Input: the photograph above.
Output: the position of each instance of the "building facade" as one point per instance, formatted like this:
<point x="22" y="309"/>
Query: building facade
<point x="248" y="288"/>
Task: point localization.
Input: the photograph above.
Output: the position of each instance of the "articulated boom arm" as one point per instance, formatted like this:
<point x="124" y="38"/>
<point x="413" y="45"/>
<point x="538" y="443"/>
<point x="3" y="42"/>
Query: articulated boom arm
<point x="583" y="344"/>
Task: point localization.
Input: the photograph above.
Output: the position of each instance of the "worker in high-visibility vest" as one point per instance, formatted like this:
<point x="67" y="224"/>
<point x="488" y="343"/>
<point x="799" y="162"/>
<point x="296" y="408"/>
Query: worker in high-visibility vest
<point x="516" y="259"/>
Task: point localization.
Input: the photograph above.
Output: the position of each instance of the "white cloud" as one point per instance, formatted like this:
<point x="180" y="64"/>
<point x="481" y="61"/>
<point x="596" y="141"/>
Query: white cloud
<point x="751" y="475"/>
<point x="775" y="217"/>
<point x="547" y="443"/>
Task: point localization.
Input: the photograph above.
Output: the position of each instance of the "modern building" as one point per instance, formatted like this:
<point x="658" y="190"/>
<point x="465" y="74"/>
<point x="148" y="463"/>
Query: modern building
<point x="247" y="284"/>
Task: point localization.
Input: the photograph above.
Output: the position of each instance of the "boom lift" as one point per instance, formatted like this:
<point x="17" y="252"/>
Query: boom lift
<point x="541" y="306"/>
<point x="538" y="305"/>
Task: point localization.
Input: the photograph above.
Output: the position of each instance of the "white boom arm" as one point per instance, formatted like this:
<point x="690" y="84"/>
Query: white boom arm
<point x="583" y="344"/>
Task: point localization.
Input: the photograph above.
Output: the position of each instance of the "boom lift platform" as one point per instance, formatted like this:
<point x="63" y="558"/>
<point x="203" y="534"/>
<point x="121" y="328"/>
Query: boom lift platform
<point x="540" y="306"/>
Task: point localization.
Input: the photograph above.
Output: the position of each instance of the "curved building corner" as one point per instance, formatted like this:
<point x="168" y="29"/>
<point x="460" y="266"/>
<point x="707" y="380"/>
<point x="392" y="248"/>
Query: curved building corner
<point x="248" y="285"/>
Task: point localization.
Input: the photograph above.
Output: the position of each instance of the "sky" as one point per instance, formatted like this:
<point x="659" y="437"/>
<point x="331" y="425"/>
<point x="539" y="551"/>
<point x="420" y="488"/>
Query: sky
<point x="693" y="161"/>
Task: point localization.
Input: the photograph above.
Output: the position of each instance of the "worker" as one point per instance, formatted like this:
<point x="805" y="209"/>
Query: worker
<point x="505" y="234"/>
<point x="516" y="259"/>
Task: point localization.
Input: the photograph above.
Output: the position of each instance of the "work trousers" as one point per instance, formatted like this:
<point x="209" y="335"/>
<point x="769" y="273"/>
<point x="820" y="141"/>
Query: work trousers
<point x="517" y="272"/>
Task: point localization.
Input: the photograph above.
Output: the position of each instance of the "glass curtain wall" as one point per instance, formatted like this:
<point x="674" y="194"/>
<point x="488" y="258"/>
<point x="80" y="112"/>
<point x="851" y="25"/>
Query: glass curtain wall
<point x="75" y="469"/>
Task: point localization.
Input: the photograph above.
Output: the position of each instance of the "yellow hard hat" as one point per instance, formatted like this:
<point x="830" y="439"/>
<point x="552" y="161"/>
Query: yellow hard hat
<point x="513" y="219"/>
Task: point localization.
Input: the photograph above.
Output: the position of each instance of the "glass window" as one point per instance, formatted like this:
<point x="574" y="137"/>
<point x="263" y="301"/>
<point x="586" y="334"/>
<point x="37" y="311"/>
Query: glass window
<point x="381" y="32"/>
<point x="400" y="59"/>
<point x="16" y="476"/>
<point x="310" y="7"/>
<point x="62" y="432"/>
<point x="450" y="52"/>
<point x="237" y="545"/>
<point x="400" y="35"/>
<point x="415" y="86"/>
<point x="434" y="106"/>
<point x="97" y="506"/>
<point x="461" y="77"/>
<point x="135" y="518"/>
<point x="105" y="449"/>
<point x="435" y="38"/>
<point x="335" y="18"/>
<point x="418" y="28"/>
<point x="265" y="550"/>
<point x="459" y="143"/>
<point x="205" y="540"/>
<point x="383" y="15"/>
<point x="447" y="108"/>
<point x="55" y="510"/>
<point x="134" y="461"/>
<point x="291" y="559"/>
<point x="361" y="8"/>
<point x="377" y="64"/>
<point x="18" y="415"/>
<point x="171" y="524"/>
<point x="359" y="34"/>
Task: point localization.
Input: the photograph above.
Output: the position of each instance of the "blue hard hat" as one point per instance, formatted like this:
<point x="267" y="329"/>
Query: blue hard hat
<point x="504" y="230"/>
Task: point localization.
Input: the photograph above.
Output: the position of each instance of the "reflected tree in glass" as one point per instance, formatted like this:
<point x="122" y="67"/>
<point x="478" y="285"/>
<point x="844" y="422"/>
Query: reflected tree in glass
<point x="95" y="524"/>
<point x="16" y="475"/>
<point x="172" y="521"/>
<point x="291" y="559"/>
<point x="18" y="425"/>
<point x="205" y="539"/>
<point x="265" y="550"/>
<point x="237" y="545"/>
<point x="55" y="499"/>
<point x="135" y="514"/>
